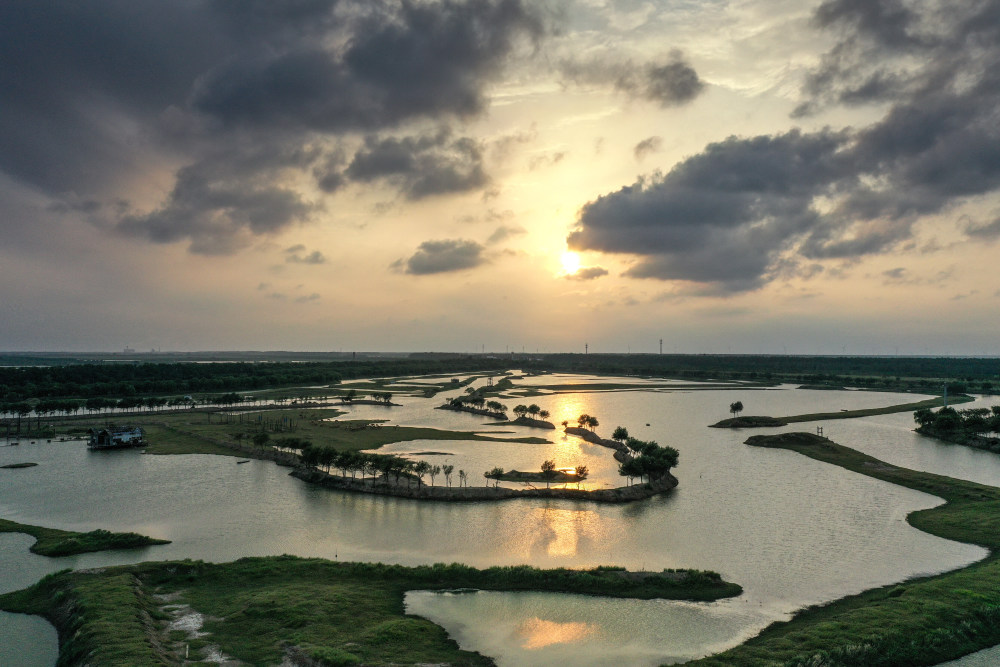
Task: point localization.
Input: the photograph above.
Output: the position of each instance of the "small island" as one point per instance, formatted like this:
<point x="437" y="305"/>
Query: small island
<point x="53" y="542"/>
<point x="15" y="466"/>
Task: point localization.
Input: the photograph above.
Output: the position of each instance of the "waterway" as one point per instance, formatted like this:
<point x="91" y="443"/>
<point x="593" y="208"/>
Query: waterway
<point x="790" y="530"/>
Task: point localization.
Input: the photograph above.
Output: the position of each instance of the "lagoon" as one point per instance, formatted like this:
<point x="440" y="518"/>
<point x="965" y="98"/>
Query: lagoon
<point x="790" y="530"/>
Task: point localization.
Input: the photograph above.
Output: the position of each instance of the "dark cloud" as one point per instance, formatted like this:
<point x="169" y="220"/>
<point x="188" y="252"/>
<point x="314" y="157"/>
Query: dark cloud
<point x="92" y="92"/>
<point x="671" y="83"/>
<point x="587" y="273"/>
<point x="400" y="62"/>
<point x="315" y="257"/>
<point x="731" y="215"/>
<point x="647" y="146"/>
<point x="219" y="203"/>
<point x="442" y="257"/>
<point x="988" y="232"/>
<point x="724" y="215"/>
<point x="419" y="166"/>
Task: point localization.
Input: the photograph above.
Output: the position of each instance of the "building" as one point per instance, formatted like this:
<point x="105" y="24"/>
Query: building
<point x="117" y="437"/>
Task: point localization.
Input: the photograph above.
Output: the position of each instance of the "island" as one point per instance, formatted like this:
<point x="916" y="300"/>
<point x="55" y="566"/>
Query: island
<point x="53" y="542"/>
<point x="303" y="611"/>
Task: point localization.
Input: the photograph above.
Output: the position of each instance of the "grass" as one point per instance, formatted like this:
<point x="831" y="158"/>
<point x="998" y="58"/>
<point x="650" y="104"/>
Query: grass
<point x="902" y="407"/>
<point x="260" y="609"/>
<point x="204" y="432"/>
<point x="54" y="542"/>
<point x="923" y="621"/>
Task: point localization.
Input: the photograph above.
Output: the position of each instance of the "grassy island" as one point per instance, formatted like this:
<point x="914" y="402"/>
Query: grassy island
<point x="922" y="621"/>
<point x="53" y="542"/>
<point x="761" y="421"/>
<point x="263" y="610"/>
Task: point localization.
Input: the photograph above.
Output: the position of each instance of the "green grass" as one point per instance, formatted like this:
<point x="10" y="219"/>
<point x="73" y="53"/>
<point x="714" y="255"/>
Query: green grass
<point x="923" y="621"/>
<point x="868" y="412"/>
<point x="206" y="432"/>
<point x="53" y="542"/>
<point x="259" y="608"/>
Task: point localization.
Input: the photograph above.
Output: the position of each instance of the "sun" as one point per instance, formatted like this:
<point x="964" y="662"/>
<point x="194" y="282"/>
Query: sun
<point x="570" y="262"/>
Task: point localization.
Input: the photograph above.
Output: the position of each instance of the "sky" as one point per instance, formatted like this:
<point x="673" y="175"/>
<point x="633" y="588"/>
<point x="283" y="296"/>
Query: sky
<point x="744" y="176"/>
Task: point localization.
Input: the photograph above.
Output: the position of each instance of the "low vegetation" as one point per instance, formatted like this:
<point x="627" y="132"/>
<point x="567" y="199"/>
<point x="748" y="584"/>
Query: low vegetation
<point x="923" y="621"/>
<point x="262" y="610"/>
<point x="763" y="421"/>
<point x="53" y="542"/>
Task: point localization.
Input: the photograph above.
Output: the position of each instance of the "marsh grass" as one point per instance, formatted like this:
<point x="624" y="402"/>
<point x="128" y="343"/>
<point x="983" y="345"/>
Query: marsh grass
<point x="257" y="609"/>
<point x="53" y="542"/>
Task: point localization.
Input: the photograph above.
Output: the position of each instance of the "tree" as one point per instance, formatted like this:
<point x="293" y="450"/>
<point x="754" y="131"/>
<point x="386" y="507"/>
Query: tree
<point x="736" y="408"/>
<point x="924" y="417"/>
<point x="565" y="423"/>
<point x="260" y="439"/>
<point x="447" y="470"/>
<point x="620" y="434"/>
<point x="583" y="420"/>
<point x="434" y="472"/>
<point x="629" y="469"/>
<point x="463" y="478"/>
<point x="495" y="474"/>
<point x="592" y="422"/>
<point x="544" y="414"/>
<point x="520" y="411"/>
<point x="549" y="471"/>
<point x="581" y="474"/>
<point x="533" y="410"/>
<point x="421" y="469"/>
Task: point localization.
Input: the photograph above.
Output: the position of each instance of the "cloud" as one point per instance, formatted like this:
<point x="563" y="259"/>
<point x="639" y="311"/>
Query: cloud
<point x="545" y="160"/>
<point x="587" y="273"/>
<point x="670" y="83"/>
<point x="315" y="257"/>
<point x="732" y="214"/>
<point x="419" y="166"/>
<point x="443" y="257"/>
<point x="400" y="62"/>
<point x="104" y="89"/>
<point x="989" y="232"/>
<point x="722" y="216"/>
<point x="647" y="146"/>
<point x="309" y="298"/>
<point x="504" y="232"/>
<point x="220" y="203"/>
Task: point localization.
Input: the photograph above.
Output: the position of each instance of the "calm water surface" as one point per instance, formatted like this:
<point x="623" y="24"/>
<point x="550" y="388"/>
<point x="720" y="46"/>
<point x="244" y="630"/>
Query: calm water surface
<point x="790" y="530"/>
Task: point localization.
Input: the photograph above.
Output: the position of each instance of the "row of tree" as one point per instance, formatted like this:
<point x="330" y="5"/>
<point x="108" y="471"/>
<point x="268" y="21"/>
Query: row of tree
<point x="364" y="464"/>
<point x="974" y="421"/>
<point x="534" y="410"/>
<point x="351" y="395"/>
<point x="479" y="401"/>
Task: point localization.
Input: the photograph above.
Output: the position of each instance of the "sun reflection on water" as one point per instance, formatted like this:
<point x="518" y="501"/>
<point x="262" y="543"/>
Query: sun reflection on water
<point x="539" y="633"/>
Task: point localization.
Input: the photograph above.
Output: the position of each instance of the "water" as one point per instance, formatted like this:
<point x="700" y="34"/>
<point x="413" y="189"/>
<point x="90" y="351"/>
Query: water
<point x="790" y="530"/>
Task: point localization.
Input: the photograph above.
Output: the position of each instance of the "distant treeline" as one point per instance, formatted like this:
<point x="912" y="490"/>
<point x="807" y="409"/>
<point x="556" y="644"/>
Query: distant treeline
<point x="123" y="379"/>
<point x="764" y="366"/>
<point x="118" y="379"/>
